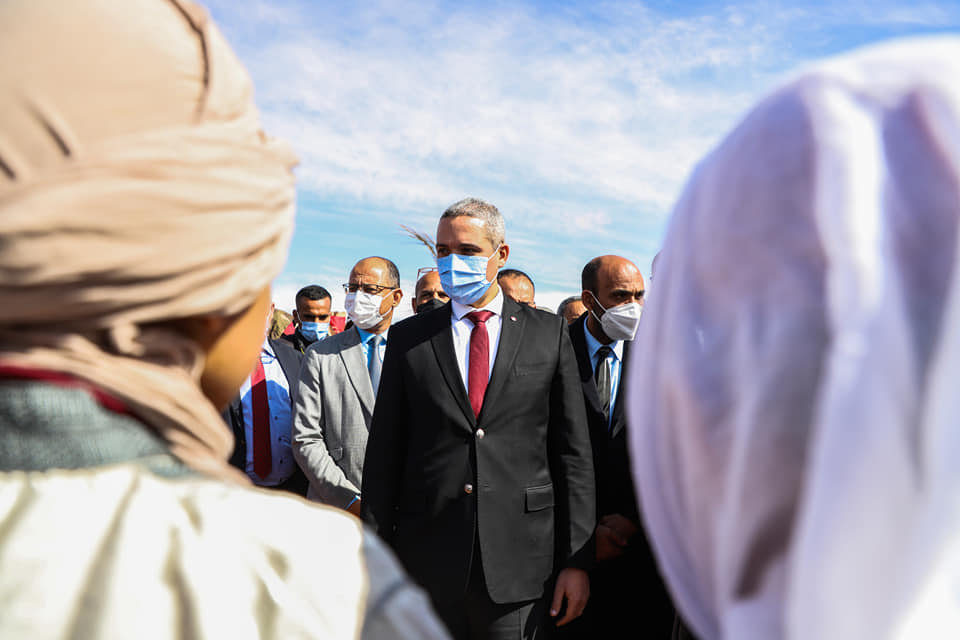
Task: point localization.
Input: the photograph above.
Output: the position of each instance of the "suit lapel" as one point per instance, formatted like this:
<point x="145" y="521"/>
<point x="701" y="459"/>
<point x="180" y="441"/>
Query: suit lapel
<point x="619" y="410"/>
<point x="353" y="362"/>
<point x="579" y="340"/>
<point x="512" y="322"/>
<point x="442" y="341"/>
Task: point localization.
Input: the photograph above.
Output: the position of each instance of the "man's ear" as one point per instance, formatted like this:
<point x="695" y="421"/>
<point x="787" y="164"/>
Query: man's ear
<point x="504" y="252"/>
<point x="296" y="318"/>
<point x="397" y="296"/>
<point x="586" y="297"/>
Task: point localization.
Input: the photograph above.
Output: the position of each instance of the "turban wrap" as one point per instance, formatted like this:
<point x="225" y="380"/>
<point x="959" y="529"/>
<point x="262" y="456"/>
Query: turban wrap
<point x="794" y="419"/>
<point x="136" y="187"/>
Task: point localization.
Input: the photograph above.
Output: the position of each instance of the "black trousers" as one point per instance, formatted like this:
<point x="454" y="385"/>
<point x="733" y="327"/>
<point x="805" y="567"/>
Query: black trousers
<point x="475" y="616"/>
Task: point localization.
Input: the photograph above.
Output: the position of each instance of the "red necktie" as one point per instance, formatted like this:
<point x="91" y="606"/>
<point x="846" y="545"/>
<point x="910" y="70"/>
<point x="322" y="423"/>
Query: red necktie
<point x="479" y="359"/>
<point x="261" y="422"/>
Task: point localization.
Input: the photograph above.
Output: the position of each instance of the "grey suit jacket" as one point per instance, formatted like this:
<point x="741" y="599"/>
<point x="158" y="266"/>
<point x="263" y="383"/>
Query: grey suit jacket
<point x="332" y="411"/>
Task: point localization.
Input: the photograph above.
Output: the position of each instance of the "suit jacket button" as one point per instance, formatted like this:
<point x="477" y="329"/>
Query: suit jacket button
<point x="468" y="488"/>
<point x="480" y="434"/>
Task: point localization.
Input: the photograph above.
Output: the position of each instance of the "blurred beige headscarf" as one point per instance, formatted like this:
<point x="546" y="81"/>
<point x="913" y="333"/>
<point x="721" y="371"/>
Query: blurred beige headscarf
<point x="795" y="418"/>
<point x="135" y="187"/>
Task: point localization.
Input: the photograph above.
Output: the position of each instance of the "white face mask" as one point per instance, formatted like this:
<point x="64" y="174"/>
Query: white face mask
<point x="364" y="309"/>
<point x="619" y="322"/>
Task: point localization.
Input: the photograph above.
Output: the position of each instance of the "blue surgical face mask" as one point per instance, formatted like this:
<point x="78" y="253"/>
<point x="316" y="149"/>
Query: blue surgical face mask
<point x="314" y="331"/>
<point x="464" y="278"/>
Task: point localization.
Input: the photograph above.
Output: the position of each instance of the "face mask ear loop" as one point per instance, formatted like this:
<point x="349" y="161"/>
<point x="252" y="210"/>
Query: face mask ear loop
<point x="597" y="300"/>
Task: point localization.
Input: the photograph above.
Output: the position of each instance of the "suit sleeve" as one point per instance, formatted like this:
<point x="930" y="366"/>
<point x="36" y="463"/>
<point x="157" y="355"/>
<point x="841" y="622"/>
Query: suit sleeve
<point x="571" y="459"/>
<point x="308" y="438"/>
<point x="386" y="448"/>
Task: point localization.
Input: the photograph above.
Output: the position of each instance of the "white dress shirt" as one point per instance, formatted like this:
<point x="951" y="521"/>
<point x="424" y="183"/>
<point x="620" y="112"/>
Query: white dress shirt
<point x="278" y="400"/>
<point x="462" y="327"/>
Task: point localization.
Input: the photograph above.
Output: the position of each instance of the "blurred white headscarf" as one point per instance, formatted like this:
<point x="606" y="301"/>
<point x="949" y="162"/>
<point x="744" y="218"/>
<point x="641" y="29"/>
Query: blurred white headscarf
<point x="136" y="187"/>
<point x="796" y="417"/>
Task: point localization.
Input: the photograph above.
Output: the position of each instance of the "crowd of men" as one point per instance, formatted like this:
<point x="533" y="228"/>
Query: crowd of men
<point x="484" y="439"/>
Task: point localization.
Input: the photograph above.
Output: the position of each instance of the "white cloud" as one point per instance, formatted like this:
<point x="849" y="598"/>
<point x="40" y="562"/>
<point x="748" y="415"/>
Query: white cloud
<point x="580" y="123"/>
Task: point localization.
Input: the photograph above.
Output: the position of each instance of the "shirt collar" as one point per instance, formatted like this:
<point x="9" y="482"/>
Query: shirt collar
<point x="366" y="336"/>
<point x="593" y="345"/>
<point x="267" y="348"/>
<point x="495" y="306"/>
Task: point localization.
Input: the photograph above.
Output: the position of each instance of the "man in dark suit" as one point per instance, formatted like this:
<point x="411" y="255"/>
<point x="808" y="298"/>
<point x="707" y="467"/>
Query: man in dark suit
<point x="260" y="417"/>
<point x="627" y="591"/>
<point x="478" y="469"/>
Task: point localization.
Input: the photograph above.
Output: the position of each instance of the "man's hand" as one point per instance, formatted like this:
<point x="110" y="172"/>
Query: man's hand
<point x="613" y="535"/>
<point x="573" y="585"/>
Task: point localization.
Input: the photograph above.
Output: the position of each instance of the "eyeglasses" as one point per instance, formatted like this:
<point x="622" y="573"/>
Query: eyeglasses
<point x="422" y="271"/>
<point x="372" y="289"/>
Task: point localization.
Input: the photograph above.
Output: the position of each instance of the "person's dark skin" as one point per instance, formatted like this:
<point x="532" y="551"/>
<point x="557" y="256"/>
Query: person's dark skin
<point x="618" y="282"/>
<point x="313" y="311"/>
<point x="467" y="236"/>
<point x="428" y="288"/>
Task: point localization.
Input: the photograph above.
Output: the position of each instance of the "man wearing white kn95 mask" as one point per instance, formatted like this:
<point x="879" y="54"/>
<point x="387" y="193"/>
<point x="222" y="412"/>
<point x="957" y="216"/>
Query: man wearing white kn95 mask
<point x="338" y="385"/>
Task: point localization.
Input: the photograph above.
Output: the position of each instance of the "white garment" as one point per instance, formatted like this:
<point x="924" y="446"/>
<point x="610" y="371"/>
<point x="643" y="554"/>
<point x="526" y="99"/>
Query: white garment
<point x="463" y="327"/>
<point x="117" y="552"/>
<point x="794" y="430"/>
<point x="281" y="417"/>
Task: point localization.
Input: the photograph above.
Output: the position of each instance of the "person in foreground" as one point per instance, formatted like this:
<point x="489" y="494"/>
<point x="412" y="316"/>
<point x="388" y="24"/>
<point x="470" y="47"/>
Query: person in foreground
<point x="795" y="439"/>
<point x="143" y="197"/>
<point x="478" y="469"/>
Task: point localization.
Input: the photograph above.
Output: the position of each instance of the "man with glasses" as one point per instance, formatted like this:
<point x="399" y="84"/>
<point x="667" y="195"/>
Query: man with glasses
<point x="429" y="293"/>
<point x="338" y="385"/>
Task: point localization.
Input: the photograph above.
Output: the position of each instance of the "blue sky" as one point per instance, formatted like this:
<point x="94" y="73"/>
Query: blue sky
<point x="580" y="121"/>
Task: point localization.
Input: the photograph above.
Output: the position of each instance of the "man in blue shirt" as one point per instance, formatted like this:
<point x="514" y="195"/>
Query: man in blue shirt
<point x="626" y="589"/>
<point x="338" y="385"/>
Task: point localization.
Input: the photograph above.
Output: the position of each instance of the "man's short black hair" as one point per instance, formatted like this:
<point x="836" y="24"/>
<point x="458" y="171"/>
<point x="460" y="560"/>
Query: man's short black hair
<point x="311" y="292"/>
<point x="515" y="273"/>
<point x="588" y="277"/>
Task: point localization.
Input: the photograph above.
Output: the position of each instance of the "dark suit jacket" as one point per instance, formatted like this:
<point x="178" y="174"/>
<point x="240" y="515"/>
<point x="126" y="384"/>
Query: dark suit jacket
<point x="627" y="589"/>
<point x="615" y="492"/>
<point x="233" y="415"/>
<point x="296" y="340"/>
<point x="530" y="499"/>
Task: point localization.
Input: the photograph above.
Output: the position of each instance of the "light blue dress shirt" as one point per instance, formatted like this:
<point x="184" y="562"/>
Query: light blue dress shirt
<point x="614" y="361"/>
<point x="366" y="337"/>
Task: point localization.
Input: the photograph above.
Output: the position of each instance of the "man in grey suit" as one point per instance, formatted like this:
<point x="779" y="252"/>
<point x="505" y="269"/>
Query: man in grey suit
<point x="338" y="385"/>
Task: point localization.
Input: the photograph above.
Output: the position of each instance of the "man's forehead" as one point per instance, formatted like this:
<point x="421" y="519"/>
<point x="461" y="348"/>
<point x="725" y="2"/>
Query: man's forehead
<point x="429" y="282"/>
<point x="306" y="305"/>
<point x="462" y="229"/>
<point x="368" y="271"/>
<point x="621" y="274"/>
